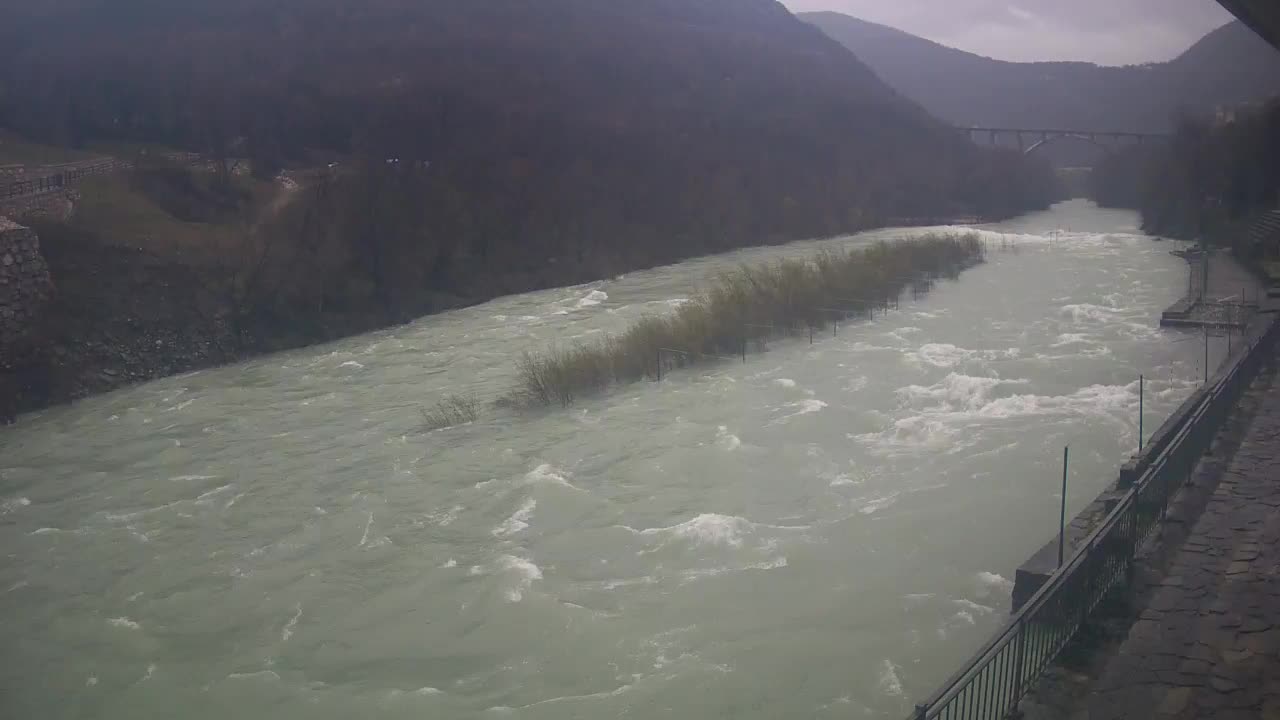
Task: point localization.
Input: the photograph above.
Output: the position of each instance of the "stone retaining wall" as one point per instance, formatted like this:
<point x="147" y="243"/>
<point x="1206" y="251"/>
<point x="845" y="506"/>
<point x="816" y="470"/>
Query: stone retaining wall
<point x="25" y="291"/>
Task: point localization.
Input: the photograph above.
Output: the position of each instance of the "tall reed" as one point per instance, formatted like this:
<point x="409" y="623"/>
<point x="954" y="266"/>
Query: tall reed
<point x="747" y="304"/>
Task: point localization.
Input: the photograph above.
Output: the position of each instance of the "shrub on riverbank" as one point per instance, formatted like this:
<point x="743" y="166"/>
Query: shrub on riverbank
<point x="750" y="303"/>
<point x="450" y="411"/>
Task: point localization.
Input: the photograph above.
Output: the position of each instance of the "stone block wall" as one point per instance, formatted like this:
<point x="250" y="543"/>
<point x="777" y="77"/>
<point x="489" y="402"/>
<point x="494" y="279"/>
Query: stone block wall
<point x="25" y="291"/>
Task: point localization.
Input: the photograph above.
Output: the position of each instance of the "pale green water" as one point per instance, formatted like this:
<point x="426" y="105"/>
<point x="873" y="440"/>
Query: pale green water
<point x="825" y="531"/>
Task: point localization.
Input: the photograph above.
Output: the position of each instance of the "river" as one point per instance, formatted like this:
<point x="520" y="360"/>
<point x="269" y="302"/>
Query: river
<point x="824" y="531"/>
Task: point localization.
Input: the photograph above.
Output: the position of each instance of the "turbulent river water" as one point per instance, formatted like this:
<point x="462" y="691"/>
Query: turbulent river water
<point x="824" y="531"/>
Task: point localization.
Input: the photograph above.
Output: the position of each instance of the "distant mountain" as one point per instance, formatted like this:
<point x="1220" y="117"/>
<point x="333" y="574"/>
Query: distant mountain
<point x="1229" y="66"/>
<point x="534" y="142"/>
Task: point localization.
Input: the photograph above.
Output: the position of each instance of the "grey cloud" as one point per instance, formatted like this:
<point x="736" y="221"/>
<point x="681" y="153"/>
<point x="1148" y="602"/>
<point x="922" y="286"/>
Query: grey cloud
<point x="1113" y="32"/>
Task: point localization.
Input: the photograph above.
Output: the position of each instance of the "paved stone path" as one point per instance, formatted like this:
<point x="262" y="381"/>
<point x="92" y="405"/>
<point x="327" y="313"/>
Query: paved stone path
<point x="1208" y="643"/>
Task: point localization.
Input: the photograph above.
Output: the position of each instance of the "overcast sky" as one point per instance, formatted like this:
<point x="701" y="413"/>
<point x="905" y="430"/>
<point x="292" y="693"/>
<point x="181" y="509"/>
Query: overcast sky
<point x="1110" y="32"/>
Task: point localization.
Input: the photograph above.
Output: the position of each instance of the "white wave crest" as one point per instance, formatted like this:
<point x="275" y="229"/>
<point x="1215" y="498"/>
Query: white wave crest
<point x="957" y="391"/>
<point x="525" y="572"/>
<point x="124" y="622"/>
<point x="785" y="382"/>
<point x="548" y="474"/>
<point x="803" y="407"/>
<point x="1088" y="313"/>
<point x="518" y="521"/>
<point x="889" y="682"/>
<point x="593" y="298"/>
<point x="726" y="439"/>
<point x="708" y="529"/>
<point x="875" y="505"/>
<point x="989" y="582"/>
<point x="13" y="504"/>
<point x="287" y="632"/>
<point x="942" y="355"/>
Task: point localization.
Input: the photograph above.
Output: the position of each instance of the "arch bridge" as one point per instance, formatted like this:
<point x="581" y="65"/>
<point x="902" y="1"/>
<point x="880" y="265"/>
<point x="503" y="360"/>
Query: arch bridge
<point x="1031" y="139"/>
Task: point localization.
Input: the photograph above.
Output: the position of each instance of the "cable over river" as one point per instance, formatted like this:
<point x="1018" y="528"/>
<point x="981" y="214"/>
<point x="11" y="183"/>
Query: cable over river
<point x="827" y="530"/>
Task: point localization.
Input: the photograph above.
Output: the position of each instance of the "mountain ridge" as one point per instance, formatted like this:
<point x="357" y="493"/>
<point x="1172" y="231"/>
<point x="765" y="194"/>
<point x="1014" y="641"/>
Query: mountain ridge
<point x="1228" y="66"/>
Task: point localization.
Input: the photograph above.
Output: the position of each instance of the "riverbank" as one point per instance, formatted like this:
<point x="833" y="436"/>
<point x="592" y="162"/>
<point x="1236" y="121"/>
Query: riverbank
<point x="124" y="314"/>
<point x="1192" y="637"/>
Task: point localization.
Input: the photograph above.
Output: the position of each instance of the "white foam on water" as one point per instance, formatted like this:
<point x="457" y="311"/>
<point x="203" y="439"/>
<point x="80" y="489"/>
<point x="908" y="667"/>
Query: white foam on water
<point x="1082" y="313"/>
<point x="973" y="607"/>
<point x="518" y="521"/>
<point x="16" y="586"/>
<point x="151" y="671"/>
<point x="548" y="474"/>
<point x="45" y="531"/>
<point x="423" y="691"/>
<point x="889" y="682"/>
<point x="707" y="529"/>
<point x="912" y="434"/>
<point x="13" y="504"/>
<point x="263" y="674"/>
<point x="124" y="622"/>
<point x="875" y="505"/>
<point x="965" y="617"/>
<point x="861" y="346"/>
<point x="942" y="355"/>
<point x="192" y="478"/>
<point x="957" y="391"/>
<point x="628" y="582"/>
<point x="368" y="524"/>
<point x="989" y="582"/>
<point x="524" y="570"/>
<point x="593" y="298"/>
<point x="450" y="563"/>
<point x="1066" y="339"/>
<point x="785" y="382"/>
<point x="445" y="518"/>
<point x="287" y="632"/>
<point x="205" y="497"/>
<point x="352" y="364"/>
<point x="238" y="497"/>
<point x="91" y="681"/>
<point x="726" y="439"/>
<point x="841" y="480"/>
<point x="803" y="407"/>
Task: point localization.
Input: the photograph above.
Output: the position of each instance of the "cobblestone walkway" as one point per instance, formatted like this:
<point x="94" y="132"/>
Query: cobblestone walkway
<point x="1208" y="643"/>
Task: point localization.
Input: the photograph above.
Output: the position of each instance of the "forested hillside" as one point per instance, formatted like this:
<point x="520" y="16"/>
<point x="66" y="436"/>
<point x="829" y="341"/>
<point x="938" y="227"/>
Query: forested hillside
<point x="721" y="120"/>
<point x="1208" y="182"/>
<point x="1229" y="66"/>
<point x="453" y="151"/>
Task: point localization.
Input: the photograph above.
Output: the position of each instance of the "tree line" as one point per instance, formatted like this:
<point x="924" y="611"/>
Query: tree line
<point x="1208" y="181"/>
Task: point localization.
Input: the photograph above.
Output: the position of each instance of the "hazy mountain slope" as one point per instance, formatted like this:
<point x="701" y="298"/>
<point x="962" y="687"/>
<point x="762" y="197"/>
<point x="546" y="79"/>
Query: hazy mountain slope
<point x="1228" y="66"/>
<point x="708" y="116"/>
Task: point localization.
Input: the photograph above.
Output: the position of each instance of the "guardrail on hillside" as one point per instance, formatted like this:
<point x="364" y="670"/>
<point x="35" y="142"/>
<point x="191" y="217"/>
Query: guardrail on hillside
<point x="51" y="182"/>
<point x="51" y="178"/>
<point x="994" y="681"/>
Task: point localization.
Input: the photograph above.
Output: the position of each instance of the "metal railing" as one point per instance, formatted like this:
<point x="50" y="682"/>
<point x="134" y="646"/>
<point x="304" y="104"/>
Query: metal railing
<point x="51" y="182"/>
<point x="52" y="178"/>
<point x="994" y="681"/>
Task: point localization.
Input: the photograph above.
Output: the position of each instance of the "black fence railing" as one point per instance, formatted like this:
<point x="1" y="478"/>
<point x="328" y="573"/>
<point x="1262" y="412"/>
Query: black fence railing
<point x="51" y="182"/>
<point x="994" y="681"/>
